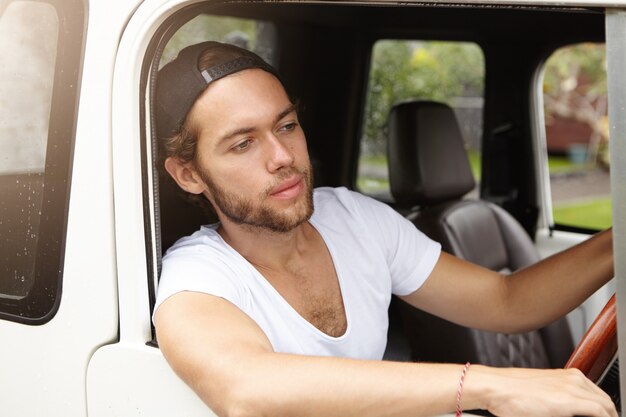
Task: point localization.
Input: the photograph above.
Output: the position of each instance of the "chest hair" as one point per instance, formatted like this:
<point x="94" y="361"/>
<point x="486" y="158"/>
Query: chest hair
<point x="313" y="291"/>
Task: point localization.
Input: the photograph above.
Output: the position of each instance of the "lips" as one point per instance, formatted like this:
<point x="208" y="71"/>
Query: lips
<point x="289" y="188"/>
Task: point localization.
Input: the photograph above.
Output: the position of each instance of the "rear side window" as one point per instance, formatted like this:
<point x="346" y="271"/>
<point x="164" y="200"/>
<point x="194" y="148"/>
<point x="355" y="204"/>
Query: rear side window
<point x="38" y="78"/>
<point x="577" y="136"/>
<point x="443" y="71"/>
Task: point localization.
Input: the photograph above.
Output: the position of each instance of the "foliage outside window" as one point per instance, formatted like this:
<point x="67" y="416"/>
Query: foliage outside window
<point x="577" y="133"/>
<point x="449" y="72"/>
<point x="255" y="35"/>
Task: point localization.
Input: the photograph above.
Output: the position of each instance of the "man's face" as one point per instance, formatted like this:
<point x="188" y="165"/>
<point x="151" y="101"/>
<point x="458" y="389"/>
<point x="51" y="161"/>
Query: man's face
<point x="252" y="153"/>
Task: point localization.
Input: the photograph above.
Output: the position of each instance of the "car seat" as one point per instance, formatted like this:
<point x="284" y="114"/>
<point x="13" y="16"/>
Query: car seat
<point x="429" y="174"/>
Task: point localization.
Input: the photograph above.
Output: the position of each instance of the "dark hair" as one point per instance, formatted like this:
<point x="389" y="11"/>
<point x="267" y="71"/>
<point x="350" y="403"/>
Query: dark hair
<point x="182" y="146"/>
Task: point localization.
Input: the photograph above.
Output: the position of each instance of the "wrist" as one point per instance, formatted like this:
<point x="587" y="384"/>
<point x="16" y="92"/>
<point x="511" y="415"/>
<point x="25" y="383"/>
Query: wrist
<point x="459" y="391"/>
<point x="479" y="387"/>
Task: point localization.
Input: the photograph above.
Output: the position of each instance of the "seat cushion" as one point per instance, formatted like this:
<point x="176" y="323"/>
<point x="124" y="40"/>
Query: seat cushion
<point x="479" y="232"/>
<point x="485" y="234"/>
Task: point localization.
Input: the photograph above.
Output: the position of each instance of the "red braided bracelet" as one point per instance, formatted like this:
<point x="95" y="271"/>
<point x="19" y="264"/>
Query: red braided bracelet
<point x="459" y="391"/>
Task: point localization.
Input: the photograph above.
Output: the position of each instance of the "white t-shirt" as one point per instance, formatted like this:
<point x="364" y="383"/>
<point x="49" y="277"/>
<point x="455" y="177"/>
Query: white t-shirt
<point x="376" y="252"/>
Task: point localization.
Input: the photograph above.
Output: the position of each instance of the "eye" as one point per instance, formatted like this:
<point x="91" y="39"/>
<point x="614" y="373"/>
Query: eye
<point x="288" y="127"/>
<point x="242" y="146"/>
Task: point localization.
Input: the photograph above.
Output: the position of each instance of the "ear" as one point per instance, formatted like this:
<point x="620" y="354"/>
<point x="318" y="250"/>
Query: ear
<point x="185" y="175"/>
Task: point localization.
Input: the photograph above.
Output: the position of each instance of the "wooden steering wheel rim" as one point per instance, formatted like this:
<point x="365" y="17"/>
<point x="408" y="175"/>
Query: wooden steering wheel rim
<point x="598" y="346"/>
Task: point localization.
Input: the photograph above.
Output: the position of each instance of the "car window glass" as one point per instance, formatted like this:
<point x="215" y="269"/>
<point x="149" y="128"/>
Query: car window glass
<point x="28" y="54"/>
<point x="256" y="35"/>
<point x="577" y="136"/>
<point x="448" y="72"/>
<point x="39" y="88"/>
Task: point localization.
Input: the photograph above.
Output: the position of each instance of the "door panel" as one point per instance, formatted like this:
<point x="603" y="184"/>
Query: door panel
<point x="129" y="380"/>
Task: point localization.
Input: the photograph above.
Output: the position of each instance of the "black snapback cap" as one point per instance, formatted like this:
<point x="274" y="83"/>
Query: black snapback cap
<point x="180" y="82"/>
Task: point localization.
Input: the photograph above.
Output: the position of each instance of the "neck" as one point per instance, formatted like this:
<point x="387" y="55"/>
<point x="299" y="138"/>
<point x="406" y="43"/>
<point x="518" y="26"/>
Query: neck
<point x="265" y="248"/>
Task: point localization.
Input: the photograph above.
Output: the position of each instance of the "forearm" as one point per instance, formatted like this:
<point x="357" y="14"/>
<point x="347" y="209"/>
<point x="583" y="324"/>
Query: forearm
<point x="289" y="385"/>
<point x="275" y="385"/>
<point x="543" y="292"/>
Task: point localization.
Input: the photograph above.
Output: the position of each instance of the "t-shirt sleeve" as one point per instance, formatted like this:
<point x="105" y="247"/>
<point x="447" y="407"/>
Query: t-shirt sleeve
<point x="411" y="255"/>
<point x="198" y="269"/>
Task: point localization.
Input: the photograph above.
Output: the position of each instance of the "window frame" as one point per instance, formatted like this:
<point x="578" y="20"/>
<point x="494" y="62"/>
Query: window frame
<point x="43" y="300"/>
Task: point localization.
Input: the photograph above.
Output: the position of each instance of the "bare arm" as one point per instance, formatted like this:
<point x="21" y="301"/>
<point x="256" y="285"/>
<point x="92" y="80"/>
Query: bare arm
<point x="226" y="358"/>
<point x="527" y="299"/>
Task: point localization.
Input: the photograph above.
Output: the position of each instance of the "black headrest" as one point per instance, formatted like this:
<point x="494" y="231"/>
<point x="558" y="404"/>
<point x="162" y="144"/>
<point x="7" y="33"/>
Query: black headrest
<point x="428" y="163"/>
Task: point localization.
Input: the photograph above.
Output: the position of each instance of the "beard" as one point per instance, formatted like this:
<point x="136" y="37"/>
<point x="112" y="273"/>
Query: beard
<point x="254" y="212"/>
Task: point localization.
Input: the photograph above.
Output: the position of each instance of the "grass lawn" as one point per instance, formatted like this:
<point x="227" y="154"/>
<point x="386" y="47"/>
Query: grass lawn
<point x="592" y="214"/>
<point x="474" y="160"/>
<point x="372" y="185"/>
<point x="595" y="214"/>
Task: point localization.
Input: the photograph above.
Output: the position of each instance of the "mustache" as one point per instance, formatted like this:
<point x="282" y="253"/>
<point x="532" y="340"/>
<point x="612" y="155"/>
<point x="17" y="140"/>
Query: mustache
<point x="285" y="174"/>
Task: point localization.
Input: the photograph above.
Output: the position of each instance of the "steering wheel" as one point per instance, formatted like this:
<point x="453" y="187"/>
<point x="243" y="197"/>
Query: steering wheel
<point x="596" y="354"/>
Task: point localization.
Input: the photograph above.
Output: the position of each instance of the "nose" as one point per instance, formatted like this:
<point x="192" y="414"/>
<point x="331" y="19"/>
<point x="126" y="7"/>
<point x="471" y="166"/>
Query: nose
<point x="280" y="155"/>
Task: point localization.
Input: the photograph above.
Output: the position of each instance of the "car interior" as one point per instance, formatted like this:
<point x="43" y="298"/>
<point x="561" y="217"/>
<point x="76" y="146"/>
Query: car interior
<point x="323" y="52"/>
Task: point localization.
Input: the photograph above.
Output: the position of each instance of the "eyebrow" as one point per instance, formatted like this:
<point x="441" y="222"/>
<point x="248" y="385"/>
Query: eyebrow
<point x="245" y="130"/>
<point x="292" y="108"/>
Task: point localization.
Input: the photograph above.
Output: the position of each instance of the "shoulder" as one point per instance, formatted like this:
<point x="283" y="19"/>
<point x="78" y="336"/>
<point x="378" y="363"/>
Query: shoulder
<point x="340" y="209"/>
<point x="345" y="204"/>
<point x="202" y="254"/>
<point x="204" y="263"/>
<point x="199" y="256"/>
<point x="341" y="199"/>
<point x="206" y="240"/>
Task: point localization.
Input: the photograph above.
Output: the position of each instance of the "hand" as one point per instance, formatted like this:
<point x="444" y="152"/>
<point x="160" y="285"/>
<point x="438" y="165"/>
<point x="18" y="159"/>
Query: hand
<point x="558" y="392"/>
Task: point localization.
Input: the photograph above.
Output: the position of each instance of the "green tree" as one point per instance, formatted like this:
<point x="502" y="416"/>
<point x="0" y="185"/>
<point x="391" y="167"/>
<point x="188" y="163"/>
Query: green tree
<point x="403" y="70"/>
<point x="207" y="27"/>
<point x="575" y="88"/>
